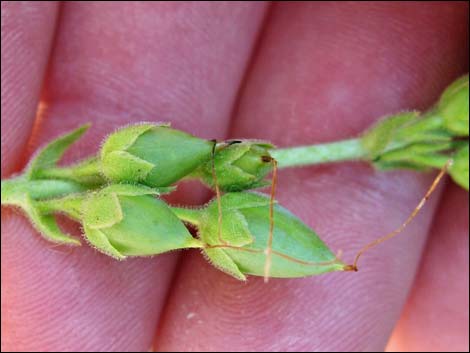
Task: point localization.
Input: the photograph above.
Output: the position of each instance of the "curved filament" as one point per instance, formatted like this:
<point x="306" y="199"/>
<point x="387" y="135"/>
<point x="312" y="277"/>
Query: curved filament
<point x="269" y="249"/>
<point x="413" y="214"/>
<point x="217" y="193"/>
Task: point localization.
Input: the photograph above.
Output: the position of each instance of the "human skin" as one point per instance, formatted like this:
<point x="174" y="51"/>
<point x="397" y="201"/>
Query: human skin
<point x="288" y="73"/>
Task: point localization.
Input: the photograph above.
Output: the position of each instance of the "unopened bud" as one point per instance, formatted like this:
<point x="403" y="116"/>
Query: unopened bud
<point x="154" y="155"/>
<point x="239" y="165"/>
<point x="126" y="220"/>
<point x="296" y="249"/>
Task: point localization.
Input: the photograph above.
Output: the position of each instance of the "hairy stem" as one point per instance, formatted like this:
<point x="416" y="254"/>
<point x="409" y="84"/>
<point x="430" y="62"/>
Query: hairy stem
<point x="322" y="153"/>
<point x="15" y="189"/>
<point x="85" y="172"/>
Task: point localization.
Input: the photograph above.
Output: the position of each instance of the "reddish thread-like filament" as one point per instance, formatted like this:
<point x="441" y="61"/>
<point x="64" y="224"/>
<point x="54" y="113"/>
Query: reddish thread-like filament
<point x="269" y="248"/>
<point x="217" y="193"/>
<point x="413" y="214"/>
<point x="337" y="259"/>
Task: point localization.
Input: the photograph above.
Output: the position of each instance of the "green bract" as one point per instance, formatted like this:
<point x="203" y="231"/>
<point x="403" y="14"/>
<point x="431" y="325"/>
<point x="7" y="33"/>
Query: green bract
<point x="126" y="220"/>
<point x="411" y="140"/>
<point x="154" y="155"/>
<point x="43" y="165"/>
<point x="407" y="140"/>
<point x="459" y="168"/>
<point x="245" y="224"/>
<point x="22" y="191"/>
<point x="48" y="156"/>
<point x="453" y="107"/>
<point x="239" y="165"/>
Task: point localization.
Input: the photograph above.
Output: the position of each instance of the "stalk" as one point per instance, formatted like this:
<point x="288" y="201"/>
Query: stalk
<point x="87" y="172"/>
<point x="346" y="150"/>
<point x="15" y="189"/>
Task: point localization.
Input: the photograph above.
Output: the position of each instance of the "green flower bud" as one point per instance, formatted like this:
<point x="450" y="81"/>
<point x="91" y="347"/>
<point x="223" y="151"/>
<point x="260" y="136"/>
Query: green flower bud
<point x="453" y="107"/>
<point x="239" y="165"/>
<point x="154" y="155"/>
<point x="459" y="168"/>
<point x="245" y="231"/>
<point x="125" y="220"/>
<point x="408" y="141"/>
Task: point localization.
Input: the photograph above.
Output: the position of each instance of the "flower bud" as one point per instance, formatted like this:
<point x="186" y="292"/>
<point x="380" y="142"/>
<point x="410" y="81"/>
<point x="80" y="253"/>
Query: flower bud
<point x="459" y="168"/>
<point x="125" y="220"/>
<point x="154" y="155"/>
<point x="239" y="165"/>
<point x="408" y="141"/>
<point x="297" y="250"/>
<point x="453" y="107"/>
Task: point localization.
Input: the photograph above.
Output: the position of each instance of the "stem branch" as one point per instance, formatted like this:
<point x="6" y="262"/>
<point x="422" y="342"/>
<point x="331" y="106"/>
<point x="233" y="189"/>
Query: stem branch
<point x="87" y="172"/>
<point x="13" y="190"/>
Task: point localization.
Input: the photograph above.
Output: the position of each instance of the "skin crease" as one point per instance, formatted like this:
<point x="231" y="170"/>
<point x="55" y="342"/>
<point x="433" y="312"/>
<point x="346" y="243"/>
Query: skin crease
<point x="320" y="71"/>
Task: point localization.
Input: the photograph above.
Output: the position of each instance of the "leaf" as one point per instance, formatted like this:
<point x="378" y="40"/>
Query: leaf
<point x="417" y="156"/>
<point x="46" y="224"/>
<point x="234" y="229"/>
<point x="459" y="169"/>
<point x="227" y="154"/>
<point x="48" y="157"/>
<point x="102" y="210"/>
<point x="123" y="138"/>
<point x="99" y="240"/>
<point x="240" y="200"/>
<point x="453" y="107"/>
<point x="123" y="166"/>
<point x="219" y="259"/>
<point x="379" y="137"/>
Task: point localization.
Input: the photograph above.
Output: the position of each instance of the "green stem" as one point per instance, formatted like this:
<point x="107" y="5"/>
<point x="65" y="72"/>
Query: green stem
<point x="189" y="215"/>
<point x="15" y="189"/>
<point x="322" y="153"/>
<point x="86" y="172"/>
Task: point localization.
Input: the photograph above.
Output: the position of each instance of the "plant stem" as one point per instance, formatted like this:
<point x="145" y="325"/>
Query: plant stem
<point x="322" y="153"/>
<point x="85" y="172"/>
<point x="14" y="190"/>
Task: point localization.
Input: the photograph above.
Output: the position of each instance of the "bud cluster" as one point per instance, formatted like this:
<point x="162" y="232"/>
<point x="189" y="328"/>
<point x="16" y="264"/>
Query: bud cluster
<point x="414" y="141"/>
<point x="115" y="194"/>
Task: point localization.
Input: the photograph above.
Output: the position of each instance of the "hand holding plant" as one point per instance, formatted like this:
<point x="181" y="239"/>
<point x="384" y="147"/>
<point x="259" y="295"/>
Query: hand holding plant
<point x="347" y="204"/>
